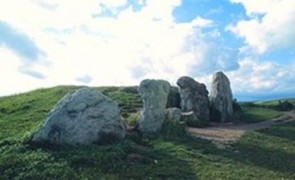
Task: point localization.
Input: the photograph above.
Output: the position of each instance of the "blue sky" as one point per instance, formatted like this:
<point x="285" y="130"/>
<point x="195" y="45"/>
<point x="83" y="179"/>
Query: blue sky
<point x="121" y="42"/>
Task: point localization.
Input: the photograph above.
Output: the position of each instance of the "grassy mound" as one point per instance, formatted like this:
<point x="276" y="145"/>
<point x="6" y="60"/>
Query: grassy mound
<point x="265" y="154"/>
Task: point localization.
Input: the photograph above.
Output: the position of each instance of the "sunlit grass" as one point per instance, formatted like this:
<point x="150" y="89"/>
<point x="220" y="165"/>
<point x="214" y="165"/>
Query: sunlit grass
<point x="265" y="154"/>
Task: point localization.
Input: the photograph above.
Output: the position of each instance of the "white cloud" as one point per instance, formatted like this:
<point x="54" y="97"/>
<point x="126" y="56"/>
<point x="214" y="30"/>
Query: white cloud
<point x="271" y="24"/>
<point x="262" y="77"/>
<point x="121" y="50"/>
<point x="11" y="79"/>
<point x="106" y="49"/>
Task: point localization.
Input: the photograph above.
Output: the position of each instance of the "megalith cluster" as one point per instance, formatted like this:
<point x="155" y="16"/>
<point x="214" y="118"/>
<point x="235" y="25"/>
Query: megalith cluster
<point x="87" y="116"/>
<point x="189" y="102"/>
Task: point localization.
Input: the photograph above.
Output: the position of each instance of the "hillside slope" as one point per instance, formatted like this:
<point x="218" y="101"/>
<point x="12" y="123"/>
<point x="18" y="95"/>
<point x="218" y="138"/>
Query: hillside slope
<point x="264" y="154"/>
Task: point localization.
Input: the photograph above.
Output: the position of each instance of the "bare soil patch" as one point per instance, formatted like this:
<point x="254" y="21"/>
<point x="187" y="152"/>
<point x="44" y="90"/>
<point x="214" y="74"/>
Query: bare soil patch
<point x="230" y="132"/>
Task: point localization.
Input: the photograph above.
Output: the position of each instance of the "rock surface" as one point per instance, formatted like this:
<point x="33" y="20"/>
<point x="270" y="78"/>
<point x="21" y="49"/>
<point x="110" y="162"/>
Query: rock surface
<point x="173" y="98"/>
<point x="191" y="119"/>
<point x="173" y="115"/>
<point x="154" y="94"/>
<point x="194" y="97"/>
<point x="221" y="98"/>
<point x="83" y="117"/>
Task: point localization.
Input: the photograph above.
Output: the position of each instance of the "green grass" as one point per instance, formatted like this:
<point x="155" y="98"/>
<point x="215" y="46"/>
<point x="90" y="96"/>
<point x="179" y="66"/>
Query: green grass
<point x="274" y="102"/>
<point x="265" y="154"/>
<point x="22" y="113"/>
<point x="257" y="114"/>
<point x="129" y="102"/>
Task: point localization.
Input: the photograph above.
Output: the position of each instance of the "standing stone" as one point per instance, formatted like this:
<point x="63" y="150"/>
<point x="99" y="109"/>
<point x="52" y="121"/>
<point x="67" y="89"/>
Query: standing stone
<point x="154" y="94"/>
<point x="173" y="98"/>
<point x="221" y="99"/>
<point x="80" y="118"/>
<point x="194" y="97"/>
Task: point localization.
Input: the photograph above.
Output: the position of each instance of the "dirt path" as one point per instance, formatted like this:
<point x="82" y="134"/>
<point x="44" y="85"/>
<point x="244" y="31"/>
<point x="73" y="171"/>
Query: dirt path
<point x="228" y="133"/>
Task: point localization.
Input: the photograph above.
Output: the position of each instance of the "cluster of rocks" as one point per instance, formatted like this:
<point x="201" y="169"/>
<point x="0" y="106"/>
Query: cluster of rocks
<point x="189" y="102"/>
<point x="87" y="116"/>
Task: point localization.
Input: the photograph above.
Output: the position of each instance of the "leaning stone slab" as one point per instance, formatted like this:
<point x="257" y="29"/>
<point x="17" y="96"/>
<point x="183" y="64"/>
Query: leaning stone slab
<point x="80" y="118"/>
<point x="194" y="97"/>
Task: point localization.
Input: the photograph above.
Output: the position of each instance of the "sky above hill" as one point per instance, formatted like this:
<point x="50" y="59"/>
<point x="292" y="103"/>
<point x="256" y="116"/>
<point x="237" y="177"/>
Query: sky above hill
<point x="121" y="42"/>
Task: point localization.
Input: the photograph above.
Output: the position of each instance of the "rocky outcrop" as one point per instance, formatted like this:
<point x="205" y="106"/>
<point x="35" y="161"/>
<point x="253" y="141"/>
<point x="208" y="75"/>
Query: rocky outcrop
<point x="194" y="97"/>
<point x="221" y="99"/>
<point x="154" y="94"/>
<point x="83" y="117"/>
<point x="173" y="98"/>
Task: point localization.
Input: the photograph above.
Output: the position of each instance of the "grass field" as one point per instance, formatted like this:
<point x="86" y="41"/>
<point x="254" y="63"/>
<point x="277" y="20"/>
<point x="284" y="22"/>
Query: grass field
<point x="274" y="102"/>
<point x="265" y="154"/>
<point x="257" y="114"/>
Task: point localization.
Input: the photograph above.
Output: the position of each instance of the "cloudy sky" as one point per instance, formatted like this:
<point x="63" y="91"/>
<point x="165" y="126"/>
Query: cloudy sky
<point x="45" y="43"/>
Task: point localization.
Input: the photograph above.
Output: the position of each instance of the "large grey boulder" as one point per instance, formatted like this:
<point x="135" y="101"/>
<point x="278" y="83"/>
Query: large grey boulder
<point x="221" y="98"/>
<point x="80" y="118"/>
<point x="173" y="98"/>
<point x="194" y="97"/>
<point x="154" y="94"/>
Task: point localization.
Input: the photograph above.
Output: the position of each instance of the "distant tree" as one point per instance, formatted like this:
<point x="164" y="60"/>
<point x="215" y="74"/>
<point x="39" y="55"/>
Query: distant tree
<point x="285" y="106"/>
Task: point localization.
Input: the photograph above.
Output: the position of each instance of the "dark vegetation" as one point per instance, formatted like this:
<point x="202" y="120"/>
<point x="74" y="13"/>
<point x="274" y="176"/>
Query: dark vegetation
<point x="265" y="154"/>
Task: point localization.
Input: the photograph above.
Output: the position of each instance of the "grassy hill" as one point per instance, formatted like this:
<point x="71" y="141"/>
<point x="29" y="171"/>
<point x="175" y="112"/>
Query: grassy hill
<point x="265" y="154"/>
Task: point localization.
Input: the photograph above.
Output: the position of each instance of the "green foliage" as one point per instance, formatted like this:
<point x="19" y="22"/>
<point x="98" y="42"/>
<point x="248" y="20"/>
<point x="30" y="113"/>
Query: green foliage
<point x="171" y="129"/>
<point x="266" y="154"/>
<point x="133" y="118"/>
<point x="128" y="99"/>
<point x="130" y="89"/>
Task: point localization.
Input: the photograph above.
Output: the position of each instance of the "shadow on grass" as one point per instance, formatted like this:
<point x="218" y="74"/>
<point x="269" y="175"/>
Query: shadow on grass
<point x="250" y="152"/>
<point x="272" y="159"/>
<point x="124" y="160"/>
<point x="285" y="131"/>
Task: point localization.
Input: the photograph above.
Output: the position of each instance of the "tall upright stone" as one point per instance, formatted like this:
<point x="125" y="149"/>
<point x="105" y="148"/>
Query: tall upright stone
<point x="221" y="99"/>
<point x="83" y="117"/>
<point x="194" y="97"/>
<point x="154" y="94"/>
